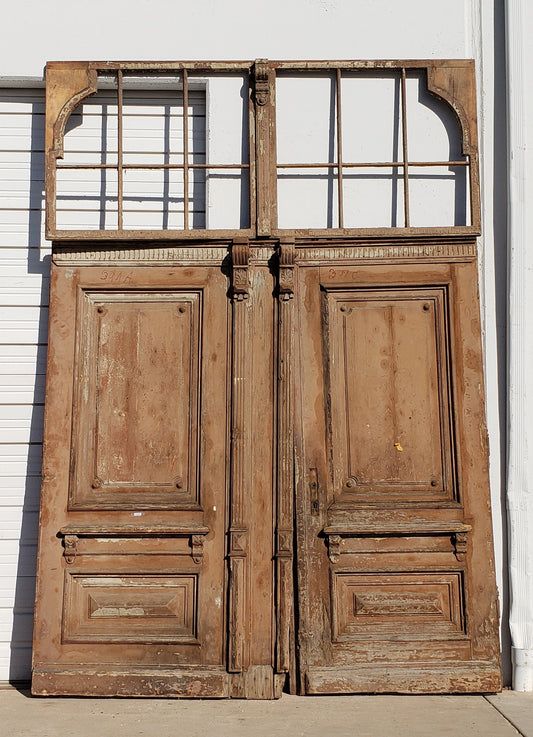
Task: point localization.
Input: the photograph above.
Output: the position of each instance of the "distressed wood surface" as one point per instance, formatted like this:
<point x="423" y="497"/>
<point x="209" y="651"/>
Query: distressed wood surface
<point x="265" y="457"/>
<point x="134" y="574"/>
<point x="393" y="563"/>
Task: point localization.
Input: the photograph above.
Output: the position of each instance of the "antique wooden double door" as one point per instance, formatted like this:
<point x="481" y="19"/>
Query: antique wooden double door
<point x="265" y="459"/>
<point x="265" y="465"/>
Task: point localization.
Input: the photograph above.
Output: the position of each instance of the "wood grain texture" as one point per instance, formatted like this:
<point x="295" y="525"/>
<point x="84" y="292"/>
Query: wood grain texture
<point x="265" y="455"/>
<point x="138" y="582"/>
<point x="391" y="570"/>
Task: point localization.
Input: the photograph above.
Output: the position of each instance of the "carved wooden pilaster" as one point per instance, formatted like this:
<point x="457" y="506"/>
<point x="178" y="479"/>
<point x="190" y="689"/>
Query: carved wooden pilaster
<point x="265" y="146"/>
<point x="240" y="456"/>
<point x="285" y="455"/>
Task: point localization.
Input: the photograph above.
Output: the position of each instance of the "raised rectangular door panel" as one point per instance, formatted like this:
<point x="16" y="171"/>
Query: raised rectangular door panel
<point x="389" y="388"/>
<point x="128" y="608"/>
<point x="395" y="571"/>
<point x="391" y="604"/>
<point x="136" y="404"/>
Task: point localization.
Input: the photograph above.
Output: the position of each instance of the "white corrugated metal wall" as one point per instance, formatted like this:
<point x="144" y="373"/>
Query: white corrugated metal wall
<point x="24" y="281"/>
<point x="23" y="329"/>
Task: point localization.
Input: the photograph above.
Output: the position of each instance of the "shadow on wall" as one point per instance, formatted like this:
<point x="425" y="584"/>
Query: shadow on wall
<point x="500" y="271"/>
<point x="21" y="641"/>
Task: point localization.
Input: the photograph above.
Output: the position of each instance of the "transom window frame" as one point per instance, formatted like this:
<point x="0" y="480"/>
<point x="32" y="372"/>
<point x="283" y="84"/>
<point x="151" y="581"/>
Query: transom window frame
<point x="453" y="81"/>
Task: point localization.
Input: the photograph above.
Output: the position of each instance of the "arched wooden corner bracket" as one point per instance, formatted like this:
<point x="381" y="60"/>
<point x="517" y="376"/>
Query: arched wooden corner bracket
<point x="455" y="84"/>
<point x="67" y="85"/>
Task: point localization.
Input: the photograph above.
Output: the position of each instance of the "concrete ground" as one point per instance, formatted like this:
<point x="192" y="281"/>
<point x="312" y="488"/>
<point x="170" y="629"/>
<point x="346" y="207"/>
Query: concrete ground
<point x="504" y="715"/>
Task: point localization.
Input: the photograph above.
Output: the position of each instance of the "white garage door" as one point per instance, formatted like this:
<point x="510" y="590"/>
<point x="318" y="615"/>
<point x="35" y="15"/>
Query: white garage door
<point x="86" y="197"/>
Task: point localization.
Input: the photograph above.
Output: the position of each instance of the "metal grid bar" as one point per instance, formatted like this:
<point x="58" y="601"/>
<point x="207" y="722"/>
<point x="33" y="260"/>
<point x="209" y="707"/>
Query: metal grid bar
<point x="372" y="164"/>
<point x="162" y="166"/>
<point x="404" y="153"/>
<point x="339" y="151"/>
<point x="345" y="165"/>
<point x="120" y="169"/>
<point x="185" y="150"/>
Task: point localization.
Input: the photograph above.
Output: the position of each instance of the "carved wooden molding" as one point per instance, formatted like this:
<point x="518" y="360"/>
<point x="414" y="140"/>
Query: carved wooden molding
<point x="70" y="544"/>
<point x="457" y="531"/>
<point x="334" y="547"/>
<point x="240" y="259"/>
<point x="67" y="86"/>
<point x="71" y="535"/>
<point x="197" y="547"/>
<point x="199" y="255"/>
<point x="412" y="251"/>
<point x="459" y="541"/>
<point x="262" y="82"/>
<point x="238" y="542"/>
<point x="287" y="253"/>
<point x="261" y="254"/>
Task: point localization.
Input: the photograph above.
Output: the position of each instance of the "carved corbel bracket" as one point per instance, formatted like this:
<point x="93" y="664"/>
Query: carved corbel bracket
<point x="70" y="545"/>
<point x="72" y="534"/>
<point x="287" y="255"/>
<point x="334" y="547"/>
<point x="262" y="85"/>
<point x="197" y="548"/>
<point x="460" y="542"/>
<point x="240" y="259"/>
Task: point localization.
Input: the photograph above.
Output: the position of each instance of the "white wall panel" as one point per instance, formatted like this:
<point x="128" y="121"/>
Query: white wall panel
<point x="25" y="290"/>
<point x="23" y="323"/>
<point x="234" y="29"/>
<point x="16" y="490"/>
